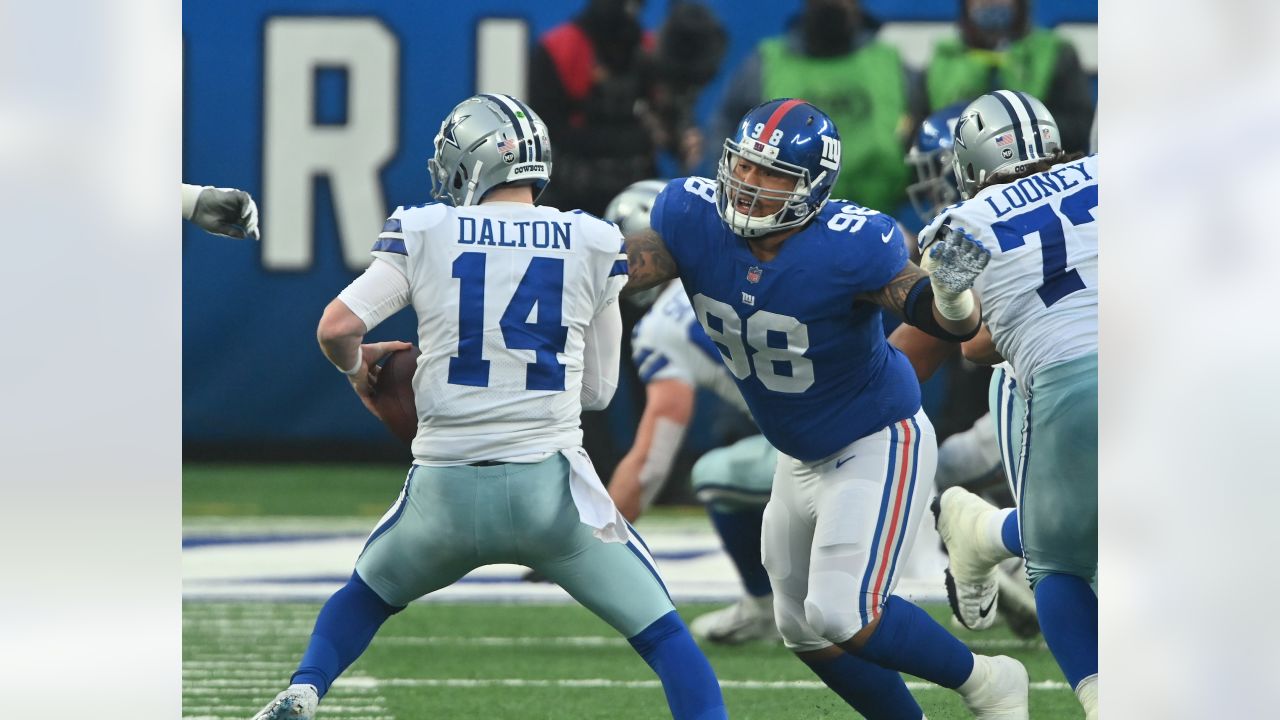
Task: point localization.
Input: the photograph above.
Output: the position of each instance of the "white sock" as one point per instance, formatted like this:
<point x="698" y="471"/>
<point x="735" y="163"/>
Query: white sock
<point x="995" y="536"/>
<point x="977" y="677"/>
<point x="1087" y="694"/>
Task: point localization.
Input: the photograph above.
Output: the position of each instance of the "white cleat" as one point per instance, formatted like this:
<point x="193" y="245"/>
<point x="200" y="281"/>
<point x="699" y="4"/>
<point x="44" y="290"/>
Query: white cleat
<point x="750" y="618"/>
<point x="997" y="689"/>
<point x="298" y="702"/>
<point x="972" y="587"/>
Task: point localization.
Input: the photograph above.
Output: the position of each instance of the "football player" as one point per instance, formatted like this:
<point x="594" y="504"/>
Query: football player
<point x="971" y="456"/>
<point x="790" y="289"/>
<point x="221" y="211"/>
<point x="1033" y="206"/>
<point x="519" y="330"/>
<point x="675" y="358"/>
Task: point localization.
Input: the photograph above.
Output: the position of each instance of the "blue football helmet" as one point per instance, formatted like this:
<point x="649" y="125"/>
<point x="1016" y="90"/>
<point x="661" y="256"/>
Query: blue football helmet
<point x="787" y="137"/>
<point x="935" y="187"/>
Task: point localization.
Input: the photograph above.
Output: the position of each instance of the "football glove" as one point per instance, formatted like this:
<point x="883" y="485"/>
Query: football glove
<point x="226" y="211"/>
<point x="954" y="262"/>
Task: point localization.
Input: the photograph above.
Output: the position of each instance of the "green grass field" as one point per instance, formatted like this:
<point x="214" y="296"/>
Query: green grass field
<point x="437" y="660"/>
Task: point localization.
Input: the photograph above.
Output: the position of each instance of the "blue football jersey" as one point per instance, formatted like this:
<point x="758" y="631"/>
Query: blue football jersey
<point x="812" y="363"/>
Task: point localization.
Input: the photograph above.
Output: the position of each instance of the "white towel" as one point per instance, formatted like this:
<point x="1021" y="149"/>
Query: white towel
<point x="595" y="507"/>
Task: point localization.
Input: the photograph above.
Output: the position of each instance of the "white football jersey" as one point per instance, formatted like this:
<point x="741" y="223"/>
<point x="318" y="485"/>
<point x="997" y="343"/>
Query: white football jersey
<point x="669" y="343"/>
<point x="503" y="293"/>
<point x="1040" y="291"/>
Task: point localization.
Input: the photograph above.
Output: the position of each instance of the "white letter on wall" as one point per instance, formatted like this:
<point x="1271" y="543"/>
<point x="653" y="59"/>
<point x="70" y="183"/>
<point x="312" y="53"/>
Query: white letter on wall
<point x="296" y="149"/>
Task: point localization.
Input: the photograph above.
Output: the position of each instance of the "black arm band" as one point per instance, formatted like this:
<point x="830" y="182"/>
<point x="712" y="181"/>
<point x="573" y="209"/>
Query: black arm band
<point x="918" y="312"/>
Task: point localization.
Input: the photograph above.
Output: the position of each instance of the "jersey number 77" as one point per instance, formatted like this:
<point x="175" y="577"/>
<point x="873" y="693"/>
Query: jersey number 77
<point x="1059" y="280"/>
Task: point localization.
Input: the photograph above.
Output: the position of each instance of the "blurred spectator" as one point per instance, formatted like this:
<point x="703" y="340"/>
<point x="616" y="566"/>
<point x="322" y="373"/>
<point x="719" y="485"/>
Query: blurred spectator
<point x="830" y="57"/>
<point x="999" y="49"/>
<point x="614" y="95"/>
<point x="586" y="79"/>
<point x="691" y="44"/>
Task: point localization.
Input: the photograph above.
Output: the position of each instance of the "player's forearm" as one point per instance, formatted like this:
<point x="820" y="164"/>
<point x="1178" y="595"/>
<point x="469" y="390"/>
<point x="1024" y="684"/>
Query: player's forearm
<point x="340" y="333"/>
<point x="649" y="263"/>
<point x="624" y="486"/>
<point x="964" y="326"/>
<point x="982" y="348"/>
<point x="925" y="352"/>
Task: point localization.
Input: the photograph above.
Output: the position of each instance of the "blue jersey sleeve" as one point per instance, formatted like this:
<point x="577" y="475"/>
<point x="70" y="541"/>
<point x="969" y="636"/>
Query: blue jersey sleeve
<point x="882" y="252"/>
<point x="675" y="215"/>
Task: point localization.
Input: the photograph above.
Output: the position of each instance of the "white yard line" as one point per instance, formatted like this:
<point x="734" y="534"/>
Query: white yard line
<point x="588" y="683"/>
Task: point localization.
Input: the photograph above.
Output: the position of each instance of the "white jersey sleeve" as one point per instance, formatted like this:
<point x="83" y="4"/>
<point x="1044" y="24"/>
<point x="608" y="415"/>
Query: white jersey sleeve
<point x="504" y="293"/>
<point x="668" y="343"/>
<point x="1040" y="291"/>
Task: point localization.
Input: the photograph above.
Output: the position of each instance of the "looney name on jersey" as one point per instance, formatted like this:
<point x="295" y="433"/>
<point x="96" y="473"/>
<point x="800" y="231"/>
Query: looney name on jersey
<point x="540" y="234"/>
<point x="1038" y="186"/>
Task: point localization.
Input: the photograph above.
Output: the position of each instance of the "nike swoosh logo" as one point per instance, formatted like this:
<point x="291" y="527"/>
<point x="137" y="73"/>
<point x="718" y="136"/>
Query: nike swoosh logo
<point x="885" y="237"/>
<point x="983" y="612"/>
<point x="841" y="462"/>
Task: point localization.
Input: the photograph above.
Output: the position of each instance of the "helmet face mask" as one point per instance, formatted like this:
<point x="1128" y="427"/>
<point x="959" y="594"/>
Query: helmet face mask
<point x="1000" y="133"/>
<point x="931" y="155"/>
<point x="780" y="140"/>
<point x="486" y="141"/>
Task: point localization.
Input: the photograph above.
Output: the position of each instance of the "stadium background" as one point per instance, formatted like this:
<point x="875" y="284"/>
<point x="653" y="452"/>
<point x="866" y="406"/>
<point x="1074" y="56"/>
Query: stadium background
<point x="325" y="111"/>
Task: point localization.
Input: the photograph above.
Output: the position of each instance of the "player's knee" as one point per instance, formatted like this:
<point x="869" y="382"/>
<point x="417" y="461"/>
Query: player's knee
<point x="1039" y="570"/>
<point x="830" y="617"/>
<point x="710" y="470"/>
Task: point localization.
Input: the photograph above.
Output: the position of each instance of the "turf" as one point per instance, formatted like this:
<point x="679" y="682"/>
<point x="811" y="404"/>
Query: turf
<point x="517" y="661"/>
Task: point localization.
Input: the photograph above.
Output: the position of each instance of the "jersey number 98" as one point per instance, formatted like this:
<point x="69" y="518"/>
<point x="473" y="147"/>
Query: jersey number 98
<point x="778" y="344"/>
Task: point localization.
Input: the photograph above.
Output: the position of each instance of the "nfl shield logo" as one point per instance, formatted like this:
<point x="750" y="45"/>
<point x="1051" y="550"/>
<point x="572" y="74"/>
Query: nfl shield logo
<point x="753" y="274"/>
<point x="507" y="146"/>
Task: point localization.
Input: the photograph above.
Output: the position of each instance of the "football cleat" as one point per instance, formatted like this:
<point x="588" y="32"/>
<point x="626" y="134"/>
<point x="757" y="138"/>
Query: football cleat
<point x="997" y="690"/>
<point x="298" y="702"/>
<point x="972" y="588"/>
<point x="750" y="618"/>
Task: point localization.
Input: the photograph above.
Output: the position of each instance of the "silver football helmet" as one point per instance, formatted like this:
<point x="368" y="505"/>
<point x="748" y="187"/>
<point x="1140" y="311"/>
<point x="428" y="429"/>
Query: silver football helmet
<point x="485" y="141"/>
<point x="999" y="133"/>
<point x="629" y="210"/>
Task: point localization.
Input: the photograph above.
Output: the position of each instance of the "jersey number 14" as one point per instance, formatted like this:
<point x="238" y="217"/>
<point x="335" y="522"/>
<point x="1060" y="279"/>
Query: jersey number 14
<point x="543" y="285"/>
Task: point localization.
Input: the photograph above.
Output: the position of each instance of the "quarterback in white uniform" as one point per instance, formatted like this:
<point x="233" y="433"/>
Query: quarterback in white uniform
<point x="519" y="330"/>
<point x="1033" y="206"/>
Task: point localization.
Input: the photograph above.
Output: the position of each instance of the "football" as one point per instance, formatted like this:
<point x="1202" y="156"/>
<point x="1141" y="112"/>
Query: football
<point x="393" y="394"/>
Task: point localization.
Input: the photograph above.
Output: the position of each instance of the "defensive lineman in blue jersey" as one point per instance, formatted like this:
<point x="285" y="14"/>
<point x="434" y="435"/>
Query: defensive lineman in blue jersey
<point x="519" y="331"/>
<point x="1035" y="207"/>
<point x="790" y="288"/>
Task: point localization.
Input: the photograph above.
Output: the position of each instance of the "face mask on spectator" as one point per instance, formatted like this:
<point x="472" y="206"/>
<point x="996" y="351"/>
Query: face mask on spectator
<point x="993" y="19"/>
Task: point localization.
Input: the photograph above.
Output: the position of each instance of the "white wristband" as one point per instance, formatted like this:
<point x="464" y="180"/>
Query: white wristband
<point x="953" y="307"/>
<point x="190" y="193"/>
<point x="359" y="363"/>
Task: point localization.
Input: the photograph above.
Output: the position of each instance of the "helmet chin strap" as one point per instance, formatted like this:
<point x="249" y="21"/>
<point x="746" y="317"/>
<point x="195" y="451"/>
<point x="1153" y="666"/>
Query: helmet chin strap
<point x="471" y="184"/>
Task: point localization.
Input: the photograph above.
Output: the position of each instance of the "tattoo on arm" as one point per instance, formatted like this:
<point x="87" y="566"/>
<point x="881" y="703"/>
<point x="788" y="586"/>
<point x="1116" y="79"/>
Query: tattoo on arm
<point x="649" y="263"/>
<point x="893" y="296"/>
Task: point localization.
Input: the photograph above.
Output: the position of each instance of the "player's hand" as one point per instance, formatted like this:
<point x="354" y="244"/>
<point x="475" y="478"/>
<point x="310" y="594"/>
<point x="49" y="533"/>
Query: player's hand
<point x="226" y="211"/>
<point x="364" y="381"/>
<point x="955" y="260"/>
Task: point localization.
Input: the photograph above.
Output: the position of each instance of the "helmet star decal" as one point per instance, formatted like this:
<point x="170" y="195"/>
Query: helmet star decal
<point x="959" y="124"/>
<point x="447" y="132"/>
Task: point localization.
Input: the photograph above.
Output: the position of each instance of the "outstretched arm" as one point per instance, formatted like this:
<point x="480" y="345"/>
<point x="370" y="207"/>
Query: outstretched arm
<point x="904" y="296"/>
<point x="640" y="474"/>
<point x="649" y="263"/>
